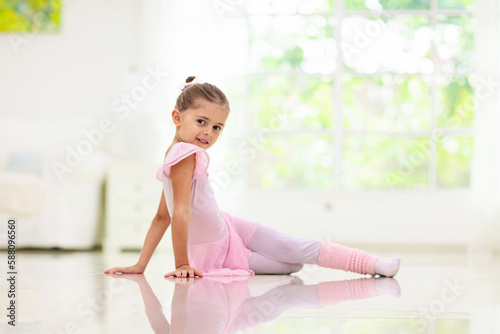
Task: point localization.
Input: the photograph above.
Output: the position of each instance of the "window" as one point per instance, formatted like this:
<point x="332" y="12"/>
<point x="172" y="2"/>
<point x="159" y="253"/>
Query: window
<point x="352" y="95"/>
<point x="350" y="116"/>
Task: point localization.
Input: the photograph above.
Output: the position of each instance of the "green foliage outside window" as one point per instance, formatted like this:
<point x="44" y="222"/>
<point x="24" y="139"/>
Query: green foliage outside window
<point x="455" y="103"/>
<point x="400" y="104"/>
<point x="293" y="161"/>
<point x="407" y="4"/>
<point x="386" y="103"/>
<point x="374" y="162"/>
<point x="453" y="165"/>
<point x="299" y="103"/>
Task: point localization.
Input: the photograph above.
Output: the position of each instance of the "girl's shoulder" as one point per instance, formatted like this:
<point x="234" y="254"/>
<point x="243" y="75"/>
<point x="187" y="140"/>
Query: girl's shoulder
<point x="182" y="146"/>
<point x="180" y="151"/>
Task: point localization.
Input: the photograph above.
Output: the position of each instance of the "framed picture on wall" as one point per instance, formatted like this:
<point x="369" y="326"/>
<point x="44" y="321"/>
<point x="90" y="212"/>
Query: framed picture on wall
<point x="30" y="16"/>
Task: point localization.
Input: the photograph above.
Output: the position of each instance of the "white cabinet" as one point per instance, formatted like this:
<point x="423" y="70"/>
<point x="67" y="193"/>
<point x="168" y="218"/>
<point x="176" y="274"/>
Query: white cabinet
<point x="132" y="198"/>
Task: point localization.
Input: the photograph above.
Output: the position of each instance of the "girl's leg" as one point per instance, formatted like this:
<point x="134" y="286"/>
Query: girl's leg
<point x="244" y="228"/>
<point x="281" y="247"/>
<point x="261" y="264"/>
<point x="337" y="256"/>
<point x="258" y="263"/>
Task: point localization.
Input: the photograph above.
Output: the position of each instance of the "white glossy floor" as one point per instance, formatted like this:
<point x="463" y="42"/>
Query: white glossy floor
<point x="62" y="292"/>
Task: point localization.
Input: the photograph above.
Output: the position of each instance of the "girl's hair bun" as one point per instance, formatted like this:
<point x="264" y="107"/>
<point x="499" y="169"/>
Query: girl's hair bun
<point x="193" y="92"/>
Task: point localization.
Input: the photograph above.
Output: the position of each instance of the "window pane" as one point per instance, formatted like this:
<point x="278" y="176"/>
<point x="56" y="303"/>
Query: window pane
<point x="455" y="107"/>
<point x="301" y="103"/>
<point x="398" y="44"/>
<point x="454" y="155"/>
<point x="298" y="161"/>
<point x="386" y="4"/>
<point x="386" y="103"/>
<point x="455" y="44"/>
<point x="262" y="7"/>
<point x="292" y="43"/>
<point x="382" y="162"/>
<point x="456" y="4"/>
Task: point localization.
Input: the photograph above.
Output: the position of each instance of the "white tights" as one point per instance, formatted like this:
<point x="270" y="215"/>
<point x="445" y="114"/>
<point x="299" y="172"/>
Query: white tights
<point x="274" y="252"/>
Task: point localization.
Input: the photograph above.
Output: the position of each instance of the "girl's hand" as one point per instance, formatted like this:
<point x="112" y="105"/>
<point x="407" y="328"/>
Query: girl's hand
<point x="135" y="269"/>
<point x="184" y="271"/>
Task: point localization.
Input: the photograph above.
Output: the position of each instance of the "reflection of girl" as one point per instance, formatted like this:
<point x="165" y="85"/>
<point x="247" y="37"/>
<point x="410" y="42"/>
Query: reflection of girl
<point x="224" y="304"/>
<point x="207" y="241"/>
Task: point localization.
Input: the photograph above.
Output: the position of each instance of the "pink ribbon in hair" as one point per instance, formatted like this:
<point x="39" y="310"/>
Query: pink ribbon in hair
<point x="188" y="85"/>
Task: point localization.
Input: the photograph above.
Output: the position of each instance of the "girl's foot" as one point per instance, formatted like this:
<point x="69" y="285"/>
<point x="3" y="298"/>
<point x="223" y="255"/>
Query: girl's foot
<point x="387" y="286"/>
<point x="388" y="266"/>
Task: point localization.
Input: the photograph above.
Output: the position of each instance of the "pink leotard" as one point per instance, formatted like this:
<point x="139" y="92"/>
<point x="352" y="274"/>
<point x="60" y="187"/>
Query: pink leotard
<point x="215" y="246"/>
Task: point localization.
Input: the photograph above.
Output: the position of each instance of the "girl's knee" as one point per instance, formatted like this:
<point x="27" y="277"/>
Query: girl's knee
<point x="296" y="267"/>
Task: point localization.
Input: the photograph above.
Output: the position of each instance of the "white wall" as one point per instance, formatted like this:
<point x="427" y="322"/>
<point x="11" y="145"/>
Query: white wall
<point x="485" y="191"/>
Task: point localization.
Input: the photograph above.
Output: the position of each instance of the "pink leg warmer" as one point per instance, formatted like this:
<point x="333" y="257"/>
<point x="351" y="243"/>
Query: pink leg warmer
<point x="336" y="256"/>
<point x="341" y="291"/>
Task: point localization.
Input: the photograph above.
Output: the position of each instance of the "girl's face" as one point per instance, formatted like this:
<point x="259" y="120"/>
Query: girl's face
<point x="200" y="125"/>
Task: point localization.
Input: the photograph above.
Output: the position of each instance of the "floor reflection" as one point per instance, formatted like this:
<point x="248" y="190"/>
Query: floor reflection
<point x="224" y="304"/>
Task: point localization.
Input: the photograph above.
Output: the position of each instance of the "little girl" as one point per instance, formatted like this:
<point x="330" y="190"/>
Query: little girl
<point x="210" y="242"/>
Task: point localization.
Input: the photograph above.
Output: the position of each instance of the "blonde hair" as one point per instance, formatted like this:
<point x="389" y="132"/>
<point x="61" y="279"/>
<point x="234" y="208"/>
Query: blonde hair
<point x="191" y="94"/>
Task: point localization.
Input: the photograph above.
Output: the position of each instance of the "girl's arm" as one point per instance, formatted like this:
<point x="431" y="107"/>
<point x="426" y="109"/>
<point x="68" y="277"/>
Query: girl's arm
<point x="181" y="176"/>
<point x="159" y="225"/>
